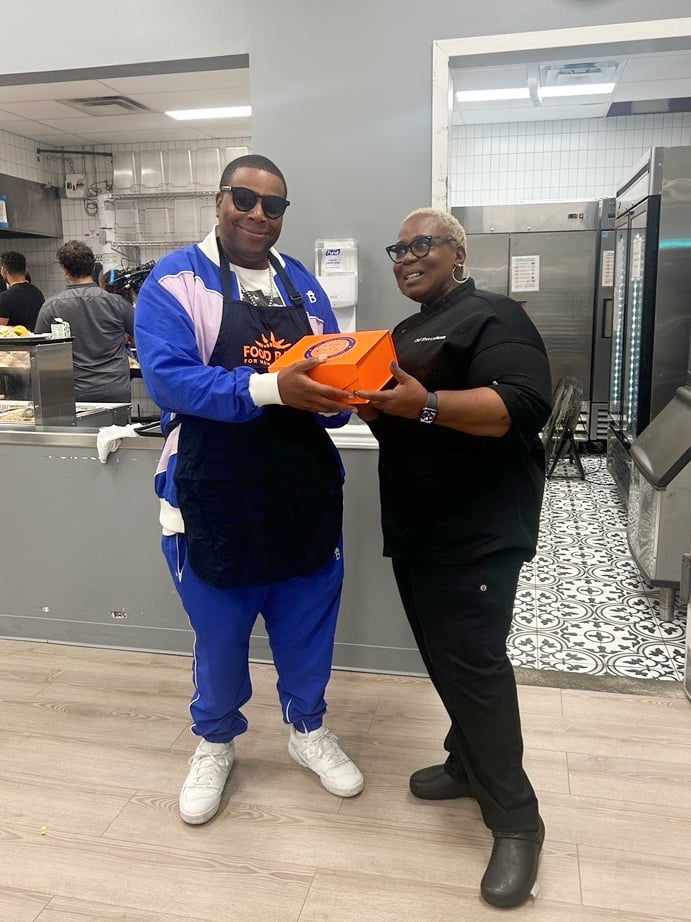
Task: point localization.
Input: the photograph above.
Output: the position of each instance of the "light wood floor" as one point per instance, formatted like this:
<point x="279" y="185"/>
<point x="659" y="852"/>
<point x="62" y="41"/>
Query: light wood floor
<point x="93" y="749"/>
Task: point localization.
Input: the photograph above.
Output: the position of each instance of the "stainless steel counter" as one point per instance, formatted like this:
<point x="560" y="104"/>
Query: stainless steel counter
<point x="355" y="435"/>
<point x="80" y="545"/>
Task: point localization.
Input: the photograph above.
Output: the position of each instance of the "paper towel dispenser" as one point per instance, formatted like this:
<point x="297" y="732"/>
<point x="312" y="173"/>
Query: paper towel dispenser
<point x="336" y="268"/>
<point x="33" y="210"/>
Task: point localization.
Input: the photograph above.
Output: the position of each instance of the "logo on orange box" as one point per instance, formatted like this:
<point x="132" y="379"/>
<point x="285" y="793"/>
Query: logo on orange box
<point x="330" y="347"/>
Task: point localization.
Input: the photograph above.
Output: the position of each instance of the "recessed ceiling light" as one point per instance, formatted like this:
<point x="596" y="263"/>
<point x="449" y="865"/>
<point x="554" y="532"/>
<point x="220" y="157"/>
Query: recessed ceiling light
<point x="518" y="92"/>
<point x="223" y="112"/>
<point x="585" y="89"/>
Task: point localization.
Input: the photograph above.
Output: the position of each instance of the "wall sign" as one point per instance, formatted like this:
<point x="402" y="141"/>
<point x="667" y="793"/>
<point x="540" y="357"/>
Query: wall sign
<point x="525" y="273"/>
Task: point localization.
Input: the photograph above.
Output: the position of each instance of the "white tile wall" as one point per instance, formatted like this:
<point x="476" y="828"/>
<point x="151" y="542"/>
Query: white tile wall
<point x="40" y="261"/>
<point x="569" y="159"/>
<point x="19" y="157"/>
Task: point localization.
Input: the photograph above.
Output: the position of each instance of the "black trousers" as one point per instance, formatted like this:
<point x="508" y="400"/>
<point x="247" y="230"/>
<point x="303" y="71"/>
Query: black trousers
<point x="461" y="616"/>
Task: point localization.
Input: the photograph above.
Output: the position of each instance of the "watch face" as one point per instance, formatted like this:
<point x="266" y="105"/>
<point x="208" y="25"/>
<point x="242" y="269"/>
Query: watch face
<point x="427" y="415"/>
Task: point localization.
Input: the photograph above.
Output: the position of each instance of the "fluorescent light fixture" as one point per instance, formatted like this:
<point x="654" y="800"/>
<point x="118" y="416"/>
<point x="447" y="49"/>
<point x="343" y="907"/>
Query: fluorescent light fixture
<point x="518" y="92"/>
<point x="223" y="112"/>
<point x="583" y="89"/>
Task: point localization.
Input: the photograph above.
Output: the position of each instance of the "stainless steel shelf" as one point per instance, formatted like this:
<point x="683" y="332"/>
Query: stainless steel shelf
<point x="151" y="243"/>
<point x="138" y="196"/>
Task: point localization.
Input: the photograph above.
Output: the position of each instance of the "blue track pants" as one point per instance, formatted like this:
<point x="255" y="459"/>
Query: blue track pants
<point x="300" y="617"/>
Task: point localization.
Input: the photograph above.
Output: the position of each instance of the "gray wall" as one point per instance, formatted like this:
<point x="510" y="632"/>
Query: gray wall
<point x="341" y="93"/>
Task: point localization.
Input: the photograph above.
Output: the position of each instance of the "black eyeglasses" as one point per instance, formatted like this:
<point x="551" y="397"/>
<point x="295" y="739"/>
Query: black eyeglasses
<point x="245" y="199"/>
<point x="419" y="247"/>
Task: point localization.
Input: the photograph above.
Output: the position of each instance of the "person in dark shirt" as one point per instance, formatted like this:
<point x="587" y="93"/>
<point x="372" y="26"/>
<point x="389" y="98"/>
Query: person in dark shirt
<point x="21" y="301"/>
<point x="100" y="323"/>
<point x="461" y="471"/>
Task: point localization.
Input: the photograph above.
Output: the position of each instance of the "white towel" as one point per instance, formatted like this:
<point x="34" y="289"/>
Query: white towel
<point x="110" y="437"/>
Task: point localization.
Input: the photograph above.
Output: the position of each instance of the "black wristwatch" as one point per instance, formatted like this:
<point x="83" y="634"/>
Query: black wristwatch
<point x="428" y="413"/>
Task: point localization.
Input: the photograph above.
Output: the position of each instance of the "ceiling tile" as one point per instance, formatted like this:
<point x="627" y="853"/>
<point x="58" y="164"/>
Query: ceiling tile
<point x="133" y="136"/>
<point x="192" y="99"/>
<point x="65" y="140"/>
<point x="38" y="110"/>
<point x="147" y="121"/>
<point x="33" y="91"/>
<point x="35" y="131"/>
<point x="223" y="128"/>
<point x="197" y="80"/>
<point x="651" y="89"/>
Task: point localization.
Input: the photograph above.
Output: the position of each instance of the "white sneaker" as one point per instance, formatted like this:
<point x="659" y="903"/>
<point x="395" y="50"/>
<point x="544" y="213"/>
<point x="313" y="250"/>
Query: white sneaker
<point x="319" y="751"/>
<point x="200" y="796"/>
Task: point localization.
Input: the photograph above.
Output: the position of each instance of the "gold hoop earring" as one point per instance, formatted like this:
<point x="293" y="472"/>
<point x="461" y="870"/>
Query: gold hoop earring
<point x="465" y="275"/>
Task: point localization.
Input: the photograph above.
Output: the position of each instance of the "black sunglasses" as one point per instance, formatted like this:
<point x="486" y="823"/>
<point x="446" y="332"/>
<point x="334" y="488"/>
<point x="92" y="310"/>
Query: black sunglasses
<point x="419" y="247"/>
<point x="245" y="199"/>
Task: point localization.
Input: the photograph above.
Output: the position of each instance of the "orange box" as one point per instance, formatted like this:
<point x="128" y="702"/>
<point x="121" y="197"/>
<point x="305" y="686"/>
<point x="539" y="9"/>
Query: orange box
<point x="355" y="361"/>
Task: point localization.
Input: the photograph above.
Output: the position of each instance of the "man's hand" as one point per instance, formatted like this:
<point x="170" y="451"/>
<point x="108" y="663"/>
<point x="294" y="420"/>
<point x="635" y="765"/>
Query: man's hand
<point x="406" y="399"/>
<point x="300" y="391"/>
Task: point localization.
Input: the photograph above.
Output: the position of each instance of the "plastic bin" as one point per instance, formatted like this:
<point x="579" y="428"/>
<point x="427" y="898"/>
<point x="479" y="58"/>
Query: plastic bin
<point x="152" y="171"/>
<point x="209" y="168"/>
<point x="126" y="222"/>
<point x="158" y="223"/>
<point x="233" y="152"/>
<point x="186" y="220"/>
<point x="124" y="171"/>
<point x="180" y="175"/>
<point x="207" y="217"/>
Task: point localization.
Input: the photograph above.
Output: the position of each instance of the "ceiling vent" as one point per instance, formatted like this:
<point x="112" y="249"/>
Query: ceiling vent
<point x="106" y="105"/>
<point x="579" y="74"/>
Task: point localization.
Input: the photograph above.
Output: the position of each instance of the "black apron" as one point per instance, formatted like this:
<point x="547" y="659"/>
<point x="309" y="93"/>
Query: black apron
<point x="262" y="500"/>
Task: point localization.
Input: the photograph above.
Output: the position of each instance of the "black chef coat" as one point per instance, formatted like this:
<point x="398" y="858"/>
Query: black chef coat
<point x="447" y="496"/>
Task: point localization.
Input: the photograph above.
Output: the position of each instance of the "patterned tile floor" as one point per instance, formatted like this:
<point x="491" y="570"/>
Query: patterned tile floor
<point x="581" y="605"/>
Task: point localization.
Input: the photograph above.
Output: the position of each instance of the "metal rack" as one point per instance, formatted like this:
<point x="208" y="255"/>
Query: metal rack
<point x="146" y="242"/>
<point x="172" y="229"/>
<point x="130" y="196"/>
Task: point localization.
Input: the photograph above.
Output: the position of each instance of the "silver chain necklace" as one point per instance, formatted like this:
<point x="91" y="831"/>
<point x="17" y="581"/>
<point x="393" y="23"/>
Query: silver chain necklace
<point x="260" y="301"/>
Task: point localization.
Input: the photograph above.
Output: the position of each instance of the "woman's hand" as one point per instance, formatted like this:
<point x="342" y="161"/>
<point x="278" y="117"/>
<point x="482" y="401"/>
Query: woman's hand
<point x="366" y="412"/>
<point x="477" y="411"/>
<point x="406" y="399"/>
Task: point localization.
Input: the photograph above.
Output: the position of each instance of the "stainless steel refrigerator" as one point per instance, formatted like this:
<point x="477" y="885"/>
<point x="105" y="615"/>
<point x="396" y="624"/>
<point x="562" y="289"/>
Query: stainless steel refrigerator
<point x="652" y="299"/>
<point x="557" y="259"/>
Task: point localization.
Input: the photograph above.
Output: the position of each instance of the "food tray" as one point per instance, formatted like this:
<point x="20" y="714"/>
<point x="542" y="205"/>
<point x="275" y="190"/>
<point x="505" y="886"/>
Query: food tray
<point x="17" y="341"/>
<point x="16" y="411"/>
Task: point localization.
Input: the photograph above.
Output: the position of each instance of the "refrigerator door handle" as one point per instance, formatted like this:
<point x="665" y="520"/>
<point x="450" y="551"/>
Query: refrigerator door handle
<point x="607" y="314"/>
<point x="685" y="587"/>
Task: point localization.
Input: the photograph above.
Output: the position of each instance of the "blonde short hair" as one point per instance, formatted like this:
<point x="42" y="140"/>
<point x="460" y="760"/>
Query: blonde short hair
<point x="451" y="226"/>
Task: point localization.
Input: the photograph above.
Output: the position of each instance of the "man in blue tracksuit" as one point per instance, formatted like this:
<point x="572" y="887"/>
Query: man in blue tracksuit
<point x="249" y="481"/>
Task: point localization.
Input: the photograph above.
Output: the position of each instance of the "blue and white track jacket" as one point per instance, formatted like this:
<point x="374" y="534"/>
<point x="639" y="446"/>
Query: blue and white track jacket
<point x="177" y="321"/>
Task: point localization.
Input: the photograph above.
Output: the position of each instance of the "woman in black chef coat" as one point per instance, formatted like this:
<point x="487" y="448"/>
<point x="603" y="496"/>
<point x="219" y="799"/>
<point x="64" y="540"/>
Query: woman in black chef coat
<point x="461" y="471"/>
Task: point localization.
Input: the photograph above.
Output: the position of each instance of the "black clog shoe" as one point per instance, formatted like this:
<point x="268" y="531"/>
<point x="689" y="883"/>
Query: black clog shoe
<point x="512" y="870"/>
